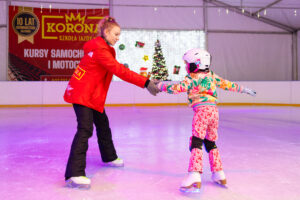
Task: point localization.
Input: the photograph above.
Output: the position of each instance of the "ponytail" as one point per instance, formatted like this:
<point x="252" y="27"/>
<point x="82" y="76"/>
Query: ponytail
<point x="106" y="23"/>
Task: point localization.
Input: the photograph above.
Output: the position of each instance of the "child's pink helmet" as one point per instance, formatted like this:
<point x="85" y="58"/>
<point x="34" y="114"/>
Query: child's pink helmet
<point x="197" y="60"/>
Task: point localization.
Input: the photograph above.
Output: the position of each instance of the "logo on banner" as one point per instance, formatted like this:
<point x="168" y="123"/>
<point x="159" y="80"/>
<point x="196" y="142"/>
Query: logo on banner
<point x="26" y="25"/>
<point x="69" y="27"/>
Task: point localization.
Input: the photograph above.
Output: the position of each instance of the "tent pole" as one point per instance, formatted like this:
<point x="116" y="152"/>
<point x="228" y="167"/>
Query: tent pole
<point x="110" y="8"/>
<point x="8" y="3"/>
<point x="294" y="57"/>
<point x="205" y="23"/>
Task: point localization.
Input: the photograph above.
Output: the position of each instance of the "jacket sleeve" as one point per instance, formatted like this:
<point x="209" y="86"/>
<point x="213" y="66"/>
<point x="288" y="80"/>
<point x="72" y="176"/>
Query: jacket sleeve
<point x="226" y="85"/>
<point x="105" y="59"/>
<point x="182" y="86"/>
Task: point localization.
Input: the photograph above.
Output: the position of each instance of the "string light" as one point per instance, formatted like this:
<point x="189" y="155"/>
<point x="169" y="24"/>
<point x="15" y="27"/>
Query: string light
<point x="50" y="6"/>
<point x="41" y="8"/>
<point x="258" y="15"/>
<point x="243" y="11"/>
<point x="155" y="9"/>
<point x="194" y="11"/>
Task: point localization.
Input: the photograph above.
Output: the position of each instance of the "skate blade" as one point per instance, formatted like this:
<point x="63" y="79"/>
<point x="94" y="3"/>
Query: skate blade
<point x="194" y="188"/>
<point x="71" y="184"/>
<point x="222" y="182"/>
<point x="112" y="165"/>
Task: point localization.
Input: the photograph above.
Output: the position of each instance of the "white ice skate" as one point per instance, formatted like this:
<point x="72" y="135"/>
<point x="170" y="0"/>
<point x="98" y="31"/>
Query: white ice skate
<point x="191" y="183"/>
<point x="81" y="182"/>
<point x="115" y="163"/>
<point x="219" y="177"/>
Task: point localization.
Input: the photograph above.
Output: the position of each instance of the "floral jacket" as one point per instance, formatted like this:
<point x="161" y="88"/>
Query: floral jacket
<point x="201" y="88"/>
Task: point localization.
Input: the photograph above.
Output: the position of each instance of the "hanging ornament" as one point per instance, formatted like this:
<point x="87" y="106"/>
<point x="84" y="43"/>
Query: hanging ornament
<point x="146" y="58"/>
<point x="121" y="47"/>
<point x="139" y="44"/>
<point x="149" y="75"/>
<point x="176" y="69"/>
<point x="126" y="65"/>
<point x="143" y="71"/>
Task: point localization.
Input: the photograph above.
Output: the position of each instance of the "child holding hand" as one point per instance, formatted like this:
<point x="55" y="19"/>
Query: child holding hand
<point x="200" y="85"/>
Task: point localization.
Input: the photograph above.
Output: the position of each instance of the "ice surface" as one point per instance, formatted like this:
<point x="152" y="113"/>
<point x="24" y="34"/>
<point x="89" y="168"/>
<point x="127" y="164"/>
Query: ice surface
<point x="259" y="146"/>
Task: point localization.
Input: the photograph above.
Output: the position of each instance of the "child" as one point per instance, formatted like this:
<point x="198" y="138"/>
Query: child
<point x="87" y="91"/>
<point x="200" y="85"/>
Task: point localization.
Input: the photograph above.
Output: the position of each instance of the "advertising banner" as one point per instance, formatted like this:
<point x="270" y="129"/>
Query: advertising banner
<point x="46" y="44"/>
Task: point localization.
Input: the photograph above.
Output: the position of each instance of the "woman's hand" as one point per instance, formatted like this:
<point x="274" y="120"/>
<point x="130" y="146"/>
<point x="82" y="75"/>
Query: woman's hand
<point x="152" y="88"/>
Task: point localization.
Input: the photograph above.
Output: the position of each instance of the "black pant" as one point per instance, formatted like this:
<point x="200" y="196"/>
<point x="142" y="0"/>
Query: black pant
<point x="86" y="117"/>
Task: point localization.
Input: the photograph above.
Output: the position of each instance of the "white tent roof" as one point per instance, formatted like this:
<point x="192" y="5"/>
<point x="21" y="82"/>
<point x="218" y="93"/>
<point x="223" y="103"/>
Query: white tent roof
<point x="282" y="12"/>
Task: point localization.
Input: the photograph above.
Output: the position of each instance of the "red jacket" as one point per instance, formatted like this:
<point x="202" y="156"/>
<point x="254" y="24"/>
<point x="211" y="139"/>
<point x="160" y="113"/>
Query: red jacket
<point x="90" y="81"/>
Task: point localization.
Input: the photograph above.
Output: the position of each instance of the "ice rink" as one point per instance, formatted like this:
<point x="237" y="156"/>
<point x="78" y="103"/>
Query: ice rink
<point x="259" y="146"/>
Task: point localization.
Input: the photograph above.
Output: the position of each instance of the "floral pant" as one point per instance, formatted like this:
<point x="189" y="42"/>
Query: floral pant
<point x="205" y="125"/>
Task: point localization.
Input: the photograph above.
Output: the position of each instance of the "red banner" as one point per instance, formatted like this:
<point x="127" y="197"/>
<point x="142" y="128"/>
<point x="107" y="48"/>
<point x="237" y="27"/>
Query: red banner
<point x="46" y="44"/>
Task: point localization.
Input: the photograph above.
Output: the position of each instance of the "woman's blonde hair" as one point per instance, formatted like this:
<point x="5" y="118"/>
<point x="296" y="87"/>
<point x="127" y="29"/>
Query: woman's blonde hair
<point x="106" y="23"/>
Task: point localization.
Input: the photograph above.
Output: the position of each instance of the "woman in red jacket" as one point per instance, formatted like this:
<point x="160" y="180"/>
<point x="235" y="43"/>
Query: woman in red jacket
<point x="87" y="92"/>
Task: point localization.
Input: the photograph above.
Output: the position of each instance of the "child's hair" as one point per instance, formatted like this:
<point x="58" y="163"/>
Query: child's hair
<point x="106" y="23"/>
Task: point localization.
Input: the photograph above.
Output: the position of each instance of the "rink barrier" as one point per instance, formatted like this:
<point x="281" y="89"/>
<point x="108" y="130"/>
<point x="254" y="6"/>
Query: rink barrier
<point x="50" y="93"/>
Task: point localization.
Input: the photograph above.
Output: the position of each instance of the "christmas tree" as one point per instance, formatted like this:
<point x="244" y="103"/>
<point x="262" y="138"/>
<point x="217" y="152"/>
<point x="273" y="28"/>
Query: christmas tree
<point x="159" y="69"/>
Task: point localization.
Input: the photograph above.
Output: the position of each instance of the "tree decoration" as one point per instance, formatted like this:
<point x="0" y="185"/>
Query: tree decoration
<point x="139" y="44"/>
<point x="126" y="65"/>
<point x="159" y="69"/>
<point x="122" y="47"/>
<point x="146" y="58"/>
<point x="176" y="69"/>
<point x="143" y="71"/>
